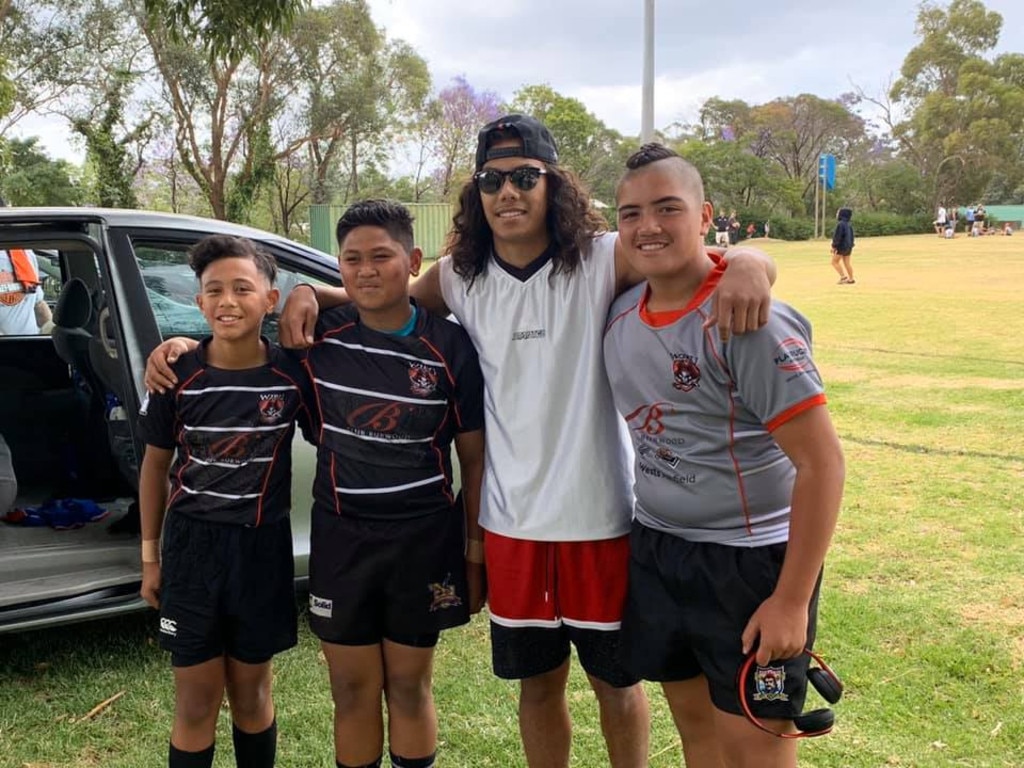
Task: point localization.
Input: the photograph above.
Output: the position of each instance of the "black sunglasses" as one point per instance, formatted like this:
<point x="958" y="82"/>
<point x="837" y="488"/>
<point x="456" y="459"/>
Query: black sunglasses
<point x="525" y="178"/>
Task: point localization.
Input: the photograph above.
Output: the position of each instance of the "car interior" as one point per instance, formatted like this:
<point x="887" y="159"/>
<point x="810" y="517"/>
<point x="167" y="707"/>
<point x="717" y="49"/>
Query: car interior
<point x="59" y="415"/>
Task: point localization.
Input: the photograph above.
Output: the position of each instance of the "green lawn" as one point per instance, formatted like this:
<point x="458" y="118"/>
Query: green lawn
<point x="923" y="602"/>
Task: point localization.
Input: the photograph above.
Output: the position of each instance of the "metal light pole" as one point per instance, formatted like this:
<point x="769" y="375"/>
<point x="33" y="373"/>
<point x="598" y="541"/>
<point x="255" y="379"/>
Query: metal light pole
<point x="647" y="109"/>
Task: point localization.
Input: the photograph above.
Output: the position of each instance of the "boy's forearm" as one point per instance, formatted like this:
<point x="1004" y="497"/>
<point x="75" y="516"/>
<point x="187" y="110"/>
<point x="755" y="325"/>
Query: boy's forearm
<point x="472" y="482"/>
<point x="747" y="252"/>
<point x="153" y="486"/>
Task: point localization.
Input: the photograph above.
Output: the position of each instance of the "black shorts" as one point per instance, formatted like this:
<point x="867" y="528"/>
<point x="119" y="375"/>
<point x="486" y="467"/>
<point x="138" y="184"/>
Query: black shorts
<point x="401" y="580"/>
<point x="226" y="590"/>
<point x="687" y="607"/>
<point x="522" y="652"/>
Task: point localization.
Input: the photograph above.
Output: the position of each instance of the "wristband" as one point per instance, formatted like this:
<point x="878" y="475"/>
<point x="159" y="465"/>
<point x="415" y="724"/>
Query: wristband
<point x="151" y="550"/>
<point x="474" y="551"/>
<point x="307" y="285"/>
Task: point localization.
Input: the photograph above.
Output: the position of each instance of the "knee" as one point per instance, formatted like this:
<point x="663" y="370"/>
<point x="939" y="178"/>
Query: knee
<point x="408" y="693"/>
<point x="619" y="699"/>
<point x="543" y="689"/>
<point x="195" y="708"/>
<point x="351" y="693"/>
<point x="251" y="702"/>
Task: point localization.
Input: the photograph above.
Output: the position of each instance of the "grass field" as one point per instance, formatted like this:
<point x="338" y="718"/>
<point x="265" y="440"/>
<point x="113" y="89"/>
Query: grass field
<point x="923" y="604"/>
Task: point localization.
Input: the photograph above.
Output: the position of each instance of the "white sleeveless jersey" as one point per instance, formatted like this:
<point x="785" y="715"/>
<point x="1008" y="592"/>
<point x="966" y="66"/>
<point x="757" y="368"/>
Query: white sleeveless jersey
<point x="558" y="464"/>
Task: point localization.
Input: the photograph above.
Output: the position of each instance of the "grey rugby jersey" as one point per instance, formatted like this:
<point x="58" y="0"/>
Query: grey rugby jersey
<point x="700" y="413"/>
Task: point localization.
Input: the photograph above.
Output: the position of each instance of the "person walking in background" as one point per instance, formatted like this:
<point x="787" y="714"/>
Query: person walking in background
<point x="969" y="219"/>
<point x="734" y="228"/>
<point x="842" y="246"/>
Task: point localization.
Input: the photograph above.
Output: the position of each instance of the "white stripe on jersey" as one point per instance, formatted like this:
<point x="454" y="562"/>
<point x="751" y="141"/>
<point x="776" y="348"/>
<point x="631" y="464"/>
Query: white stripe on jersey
<point x="402" y="440"/>
<point x="375" y="351"/>
<point x="230" y="465"/>
<point x="389" y="488"/>
<point x="186" y="489"/>
<point x="207" y="390"/>
<point x="273" y="428"/>
<point x="381" y="395"/>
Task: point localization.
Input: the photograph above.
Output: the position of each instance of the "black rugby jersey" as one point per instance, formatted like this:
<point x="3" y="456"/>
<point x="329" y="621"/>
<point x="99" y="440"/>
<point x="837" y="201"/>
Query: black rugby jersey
<point x="233" y="433"/>
<point x="388" y="408"/>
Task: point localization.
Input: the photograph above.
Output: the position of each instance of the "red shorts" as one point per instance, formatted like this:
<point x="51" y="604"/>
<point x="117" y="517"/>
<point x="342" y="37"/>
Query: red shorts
<point x="549" y="583"/>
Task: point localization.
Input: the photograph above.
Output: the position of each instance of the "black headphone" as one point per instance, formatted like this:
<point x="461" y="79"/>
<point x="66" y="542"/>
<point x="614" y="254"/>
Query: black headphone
<point x="817" y="722"/>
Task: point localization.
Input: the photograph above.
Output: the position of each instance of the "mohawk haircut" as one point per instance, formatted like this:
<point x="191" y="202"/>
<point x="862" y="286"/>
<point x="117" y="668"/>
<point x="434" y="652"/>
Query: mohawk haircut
<point x="656" y="153"/>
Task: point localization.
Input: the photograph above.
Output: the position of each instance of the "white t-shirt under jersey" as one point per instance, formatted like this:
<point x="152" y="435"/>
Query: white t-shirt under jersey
<point x="558" y="464"/>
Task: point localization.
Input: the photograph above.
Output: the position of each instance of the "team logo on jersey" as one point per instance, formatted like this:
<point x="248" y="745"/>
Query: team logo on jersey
<point x="667" y="457"/>
<point x="422" y="379"/>
<point x="685" y="372"/>
<point x="271" y="408"/>
<point x="443" y="595"/>
<point x="793" y="356"/>
<point x="770" y="684"/>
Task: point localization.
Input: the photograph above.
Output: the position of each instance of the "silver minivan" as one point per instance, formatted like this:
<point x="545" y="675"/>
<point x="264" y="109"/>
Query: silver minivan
<point x="119" y="282"/>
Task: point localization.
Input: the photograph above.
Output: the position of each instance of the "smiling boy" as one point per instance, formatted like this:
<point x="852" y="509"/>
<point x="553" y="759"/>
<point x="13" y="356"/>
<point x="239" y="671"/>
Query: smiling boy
<point x="739" y="477"/>
<point x="389" y="564"/>
<point x="224" y="579"/>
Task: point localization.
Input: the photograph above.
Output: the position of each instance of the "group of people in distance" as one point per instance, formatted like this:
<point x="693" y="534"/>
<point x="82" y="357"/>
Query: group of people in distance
<point x="565" y="332"/>
<point x="976" y="222"/>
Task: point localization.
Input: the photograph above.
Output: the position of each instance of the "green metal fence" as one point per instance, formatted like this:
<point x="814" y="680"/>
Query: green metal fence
<point x="430" y="225"/>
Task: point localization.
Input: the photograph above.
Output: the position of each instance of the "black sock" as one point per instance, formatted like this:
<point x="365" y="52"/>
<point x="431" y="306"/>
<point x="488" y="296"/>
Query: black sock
<point x="413" y="762"/>
<point x="374" y="764"/>
<point x="255" y="750"/>
<point x="178" y="758"/>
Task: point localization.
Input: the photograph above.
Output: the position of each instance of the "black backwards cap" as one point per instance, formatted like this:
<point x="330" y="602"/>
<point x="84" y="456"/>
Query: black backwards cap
<point x="538" y="143"/>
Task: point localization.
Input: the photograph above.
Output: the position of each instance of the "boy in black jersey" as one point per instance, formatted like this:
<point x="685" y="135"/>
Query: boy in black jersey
<point x="224" y="579"/>
<point x="394" y="557"/>
<point x="389" y="565"/>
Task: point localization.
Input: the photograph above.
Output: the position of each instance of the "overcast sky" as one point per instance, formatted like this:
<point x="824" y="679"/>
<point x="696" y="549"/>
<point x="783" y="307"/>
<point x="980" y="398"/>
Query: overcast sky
<point x="593" y="50"/>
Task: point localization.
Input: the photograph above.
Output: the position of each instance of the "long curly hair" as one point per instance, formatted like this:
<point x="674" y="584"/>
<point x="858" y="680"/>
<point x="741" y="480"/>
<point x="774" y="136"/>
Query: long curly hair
<point x="571" y="222"/>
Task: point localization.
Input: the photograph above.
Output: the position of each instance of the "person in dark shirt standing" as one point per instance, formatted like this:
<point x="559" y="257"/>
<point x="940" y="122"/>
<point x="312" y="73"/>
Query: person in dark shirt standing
<point x="224" y="577"/>
<point x="722" y="225"/>
<point x="395" y="557"/>
<point x="842" y="246"/>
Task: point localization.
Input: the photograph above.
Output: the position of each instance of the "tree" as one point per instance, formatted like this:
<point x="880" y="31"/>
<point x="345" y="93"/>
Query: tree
<point x="461" y="111"/>
<point x="796" y="130"/>
<point x="34" y="179"/>
<point x="227" y="29"/>
<point x="965" y="113"/>
<point x="358" y="88"/>
<point x="222" y="110"/>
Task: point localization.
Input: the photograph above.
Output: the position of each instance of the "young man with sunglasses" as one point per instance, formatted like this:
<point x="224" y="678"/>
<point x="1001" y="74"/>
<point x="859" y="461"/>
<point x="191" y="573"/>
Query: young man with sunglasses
<point x="530" y="275"/>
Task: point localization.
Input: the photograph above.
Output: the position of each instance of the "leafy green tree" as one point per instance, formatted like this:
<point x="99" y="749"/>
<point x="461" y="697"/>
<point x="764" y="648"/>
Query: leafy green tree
<point x="227" y="29"/>
<point x="359" y="89"/>
<point x="34" y="179"/>
<point x="965" y="113"/>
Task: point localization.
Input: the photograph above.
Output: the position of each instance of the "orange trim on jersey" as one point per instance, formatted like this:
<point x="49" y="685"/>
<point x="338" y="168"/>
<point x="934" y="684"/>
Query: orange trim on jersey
<point x="669" y="316"/>
<point x="618" y="317"/>
<point x="794" y="411"/>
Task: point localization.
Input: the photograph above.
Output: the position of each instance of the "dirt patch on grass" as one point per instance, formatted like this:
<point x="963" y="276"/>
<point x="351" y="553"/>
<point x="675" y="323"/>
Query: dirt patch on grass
<point x="1004" y="615"/>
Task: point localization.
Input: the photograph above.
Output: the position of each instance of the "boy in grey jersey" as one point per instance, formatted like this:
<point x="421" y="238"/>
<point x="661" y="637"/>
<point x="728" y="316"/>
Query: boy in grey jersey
<point x="739" y="477"/>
